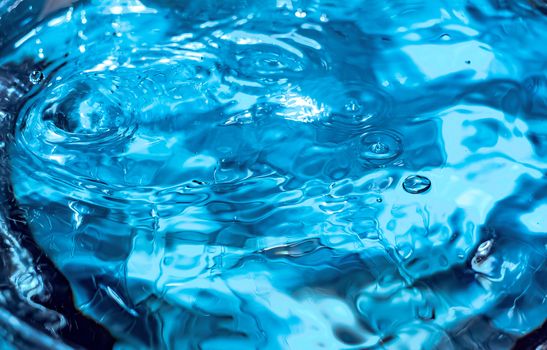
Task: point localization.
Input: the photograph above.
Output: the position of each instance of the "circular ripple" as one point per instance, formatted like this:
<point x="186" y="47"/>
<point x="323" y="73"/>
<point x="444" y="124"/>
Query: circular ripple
<point x="85" y="111"/>
<point x="269" y="62"/>
<point x="103" y="124"/>
<point x="265" y="61"/>
<point x="380" y="147"/>
<point x="353" y="106"/>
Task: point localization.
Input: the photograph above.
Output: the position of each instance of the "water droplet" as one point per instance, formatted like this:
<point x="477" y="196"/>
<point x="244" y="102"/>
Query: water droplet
<point x="445" y="37"/>
<point x="380" y="147"/>
<point x="36" y="76"/>
<point x="415" y="184"/>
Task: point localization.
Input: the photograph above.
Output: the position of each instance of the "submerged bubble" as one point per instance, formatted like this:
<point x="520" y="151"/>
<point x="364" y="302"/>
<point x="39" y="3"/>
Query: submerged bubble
<point x="415" y="184"/>
<point x="36" y="76"/>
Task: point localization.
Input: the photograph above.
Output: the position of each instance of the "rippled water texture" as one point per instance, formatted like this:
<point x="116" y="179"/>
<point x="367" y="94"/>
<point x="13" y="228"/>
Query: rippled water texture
<point x="285" y="174"/>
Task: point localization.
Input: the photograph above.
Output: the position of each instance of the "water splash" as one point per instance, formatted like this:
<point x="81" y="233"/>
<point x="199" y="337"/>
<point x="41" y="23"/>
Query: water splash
<point x="237" y="174"/>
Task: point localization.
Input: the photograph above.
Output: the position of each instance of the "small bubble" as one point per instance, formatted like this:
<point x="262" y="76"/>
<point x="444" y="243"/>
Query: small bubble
<point x="467" y="62"/>
<point x="36" y="76"/>
<point x="415" y="184"/>
<point x="445" y="37"/>
<point x="324" y="18"/>
<point x="379" y="200"/>
<point x="300" y="13"/>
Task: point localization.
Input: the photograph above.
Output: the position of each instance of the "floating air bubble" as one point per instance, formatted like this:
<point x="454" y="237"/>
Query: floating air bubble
<point x="416" y="184"/>
<point x="36" y="76"/>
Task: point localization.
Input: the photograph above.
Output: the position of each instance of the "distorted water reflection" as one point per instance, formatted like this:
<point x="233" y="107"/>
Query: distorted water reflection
<point x="288" y="174"/>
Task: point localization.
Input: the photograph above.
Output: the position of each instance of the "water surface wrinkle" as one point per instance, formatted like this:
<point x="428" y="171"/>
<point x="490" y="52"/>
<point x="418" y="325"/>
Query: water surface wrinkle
<point x="285" y="174"/>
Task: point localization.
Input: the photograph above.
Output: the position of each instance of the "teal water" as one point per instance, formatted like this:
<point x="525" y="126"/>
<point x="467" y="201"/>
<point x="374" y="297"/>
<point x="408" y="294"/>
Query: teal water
<point x="290" y="174"/>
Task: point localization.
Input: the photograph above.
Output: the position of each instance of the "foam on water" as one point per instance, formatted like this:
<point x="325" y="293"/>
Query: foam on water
<point x="291" y="174"/>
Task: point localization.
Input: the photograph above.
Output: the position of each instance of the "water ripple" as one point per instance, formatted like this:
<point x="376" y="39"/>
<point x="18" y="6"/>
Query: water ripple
<point x="286" y="174"/>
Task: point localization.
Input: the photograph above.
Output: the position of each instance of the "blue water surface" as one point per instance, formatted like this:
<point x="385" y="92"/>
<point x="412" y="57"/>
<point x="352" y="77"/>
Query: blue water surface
<point x="286" y="174"/>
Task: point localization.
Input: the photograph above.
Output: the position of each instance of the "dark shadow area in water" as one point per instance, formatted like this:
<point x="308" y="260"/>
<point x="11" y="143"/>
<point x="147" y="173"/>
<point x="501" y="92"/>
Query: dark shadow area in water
<point x="56" y="297"/>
